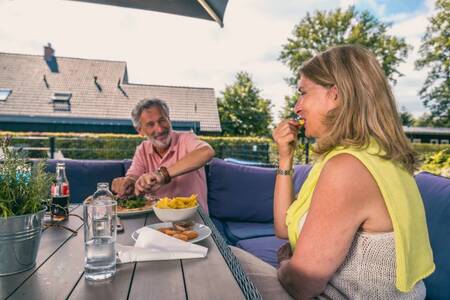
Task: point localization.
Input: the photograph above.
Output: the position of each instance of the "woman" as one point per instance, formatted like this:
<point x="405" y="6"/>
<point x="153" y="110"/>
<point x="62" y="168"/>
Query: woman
<point x="357" y="229"/>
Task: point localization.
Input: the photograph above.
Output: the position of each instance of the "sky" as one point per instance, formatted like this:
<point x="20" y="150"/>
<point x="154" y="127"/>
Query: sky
<point x="166" y="49"/>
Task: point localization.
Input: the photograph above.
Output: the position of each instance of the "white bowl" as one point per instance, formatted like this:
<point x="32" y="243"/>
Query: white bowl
<point x="175" y="214"/>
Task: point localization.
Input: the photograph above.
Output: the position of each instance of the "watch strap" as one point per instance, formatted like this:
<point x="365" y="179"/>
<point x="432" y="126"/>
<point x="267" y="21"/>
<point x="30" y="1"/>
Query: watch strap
<point x="289" y="172"/>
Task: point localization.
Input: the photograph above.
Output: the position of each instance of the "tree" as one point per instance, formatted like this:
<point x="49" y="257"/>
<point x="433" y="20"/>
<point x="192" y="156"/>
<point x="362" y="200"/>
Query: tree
<point x="323" y="29"/>
<point x="424" y="120"/>
<point x="406" y="117"/>
<point x="435" y="54"/>
<point x="242" y="111"/>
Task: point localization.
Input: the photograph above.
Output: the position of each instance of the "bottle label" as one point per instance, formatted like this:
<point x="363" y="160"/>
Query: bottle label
<point x="60" y="189"/>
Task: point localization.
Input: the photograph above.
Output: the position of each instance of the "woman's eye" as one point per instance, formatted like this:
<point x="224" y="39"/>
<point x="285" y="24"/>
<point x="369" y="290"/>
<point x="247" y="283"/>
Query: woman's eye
<point x="300" y="92"/>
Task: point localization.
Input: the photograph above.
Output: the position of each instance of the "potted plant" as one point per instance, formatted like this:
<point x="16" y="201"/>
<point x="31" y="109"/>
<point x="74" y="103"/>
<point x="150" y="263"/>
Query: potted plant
<point x="24" y="190"/>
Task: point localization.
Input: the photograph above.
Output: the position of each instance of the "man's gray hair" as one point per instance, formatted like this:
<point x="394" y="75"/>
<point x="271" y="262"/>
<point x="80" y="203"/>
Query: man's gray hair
<point x="146" y="104"/>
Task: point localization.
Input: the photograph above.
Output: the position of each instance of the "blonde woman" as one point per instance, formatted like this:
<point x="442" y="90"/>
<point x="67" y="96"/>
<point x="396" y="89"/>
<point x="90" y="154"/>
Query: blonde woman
<point x="357" y="229"/>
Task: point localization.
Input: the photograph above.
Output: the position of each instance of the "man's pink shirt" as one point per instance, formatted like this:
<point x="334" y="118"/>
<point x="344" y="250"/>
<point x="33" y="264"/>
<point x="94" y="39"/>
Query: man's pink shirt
<point x="146" y="160"/>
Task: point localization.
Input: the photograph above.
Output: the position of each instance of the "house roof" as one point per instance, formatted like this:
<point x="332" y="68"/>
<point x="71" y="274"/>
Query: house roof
<point x="427" y="130"/>
<point x="33" y="85"/>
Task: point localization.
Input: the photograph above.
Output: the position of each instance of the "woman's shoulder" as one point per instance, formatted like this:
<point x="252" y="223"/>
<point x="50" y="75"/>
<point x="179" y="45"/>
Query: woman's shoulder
<point x="344" y="163"/>
<point x="348" y="175"/>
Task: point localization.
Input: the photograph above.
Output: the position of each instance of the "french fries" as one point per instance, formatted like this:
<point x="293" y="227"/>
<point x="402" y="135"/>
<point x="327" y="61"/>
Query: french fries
<point x="177" y="202"/>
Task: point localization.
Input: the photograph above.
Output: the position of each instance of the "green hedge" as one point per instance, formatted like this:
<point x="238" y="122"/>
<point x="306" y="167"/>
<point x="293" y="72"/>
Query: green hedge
<point x="122" y="146"/>
<point x="108" y="146"/>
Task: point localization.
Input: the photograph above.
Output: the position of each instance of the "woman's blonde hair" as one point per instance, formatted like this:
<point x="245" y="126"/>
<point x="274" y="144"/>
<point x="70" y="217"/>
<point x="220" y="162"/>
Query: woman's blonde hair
<point x="367" y="108"/>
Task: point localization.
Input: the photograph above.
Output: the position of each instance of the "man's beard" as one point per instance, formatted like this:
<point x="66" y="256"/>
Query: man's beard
<point x="161" y="144"/>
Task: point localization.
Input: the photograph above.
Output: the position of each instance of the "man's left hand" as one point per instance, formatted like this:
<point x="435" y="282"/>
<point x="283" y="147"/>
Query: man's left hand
<point x="148" y="183"/>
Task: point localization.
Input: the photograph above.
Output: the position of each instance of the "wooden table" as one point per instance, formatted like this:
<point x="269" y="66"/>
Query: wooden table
<point x="59" y="271"/>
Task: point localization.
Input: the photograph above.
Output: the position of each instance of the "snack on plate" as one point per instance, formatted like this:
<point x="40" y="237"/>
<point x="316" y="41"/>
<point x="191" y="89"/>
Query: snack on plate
<point x="177" y="202"/>
<point x="184" y="235"/>
<point x="180" y="236"/>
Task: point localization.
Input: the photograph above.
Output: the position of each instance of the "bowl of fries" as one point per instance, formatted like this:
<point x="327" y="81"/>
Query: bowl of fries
<point x="176" y="209"/>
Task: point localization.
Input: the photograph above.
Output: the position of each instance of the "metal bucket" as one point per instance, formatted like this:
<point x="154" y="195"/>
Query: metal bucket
<point x="19" y="242"/>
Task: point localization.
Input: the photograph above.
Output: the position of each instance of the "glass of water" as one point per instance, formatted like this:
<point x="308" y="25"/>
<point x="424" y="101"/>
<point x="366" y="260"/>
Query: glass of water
<point x="100" y="219"/>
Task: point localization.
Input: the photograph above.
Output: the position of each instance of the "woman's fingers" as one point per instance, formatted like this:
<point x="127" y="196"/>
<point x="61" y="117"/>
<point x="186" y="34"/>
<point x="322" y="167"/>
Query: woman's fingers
<point x="285" y="132"/>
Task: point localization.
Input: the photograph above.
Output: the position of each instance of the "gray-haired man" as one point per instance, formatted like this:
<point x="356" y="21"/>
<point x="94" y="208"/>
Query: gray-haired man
<point x="168" y="163"/>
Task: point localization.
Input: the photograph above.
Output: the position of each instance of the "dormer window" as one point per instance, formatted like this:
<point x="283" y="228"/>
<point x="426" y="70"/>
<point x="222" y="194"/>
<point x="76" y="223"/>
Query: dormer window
<point x="61" y="101"/>
<point x="4" y="94"/>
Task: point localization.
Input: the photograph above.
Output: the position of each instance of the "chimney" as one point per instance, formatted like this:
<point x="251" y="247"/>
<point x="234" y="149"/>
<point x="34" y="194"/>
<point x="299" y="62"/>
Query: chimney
<point x="49" y="52"/>
<point x="50" y="58"/>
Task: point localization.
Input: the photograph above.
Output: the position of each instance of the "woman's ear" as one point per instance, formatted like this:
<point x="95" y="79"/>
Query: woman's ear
<point x="333" y="92"/>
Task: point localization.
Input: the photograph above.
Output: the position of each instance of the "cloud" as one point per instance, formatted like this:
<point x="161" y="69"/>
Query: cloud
<point x="411" y="27"/>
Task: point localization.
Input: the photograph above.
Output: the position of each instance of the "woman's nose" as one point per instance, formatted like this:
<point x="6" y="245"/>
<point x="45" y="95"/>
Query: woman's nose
<point x="297" y="107"/>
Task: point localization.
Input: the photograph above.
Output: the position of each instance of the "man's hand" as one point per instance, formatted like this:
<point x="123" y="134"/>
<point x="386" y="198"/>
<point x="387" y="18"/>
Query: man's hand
<point x="148" y="183"/>
<point x="123" y="186"/>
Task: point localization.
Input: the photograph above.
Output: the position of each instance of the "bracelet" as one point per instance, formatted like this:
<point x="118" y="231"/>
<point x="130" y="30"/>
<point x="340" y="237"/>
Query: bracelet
<point x="289" y="172"/>
<point x="165" y="174"/>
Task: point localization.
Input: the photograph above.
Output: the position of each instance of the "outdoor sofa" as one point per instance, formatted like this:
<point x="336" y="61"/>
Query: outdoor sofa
<point x="240" y="199"/>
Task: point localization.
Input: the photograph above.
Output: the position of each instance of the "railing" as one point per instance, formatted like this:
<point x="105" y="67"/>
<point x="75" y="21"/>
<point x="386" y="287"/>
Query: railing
<point x="123" y="148"/>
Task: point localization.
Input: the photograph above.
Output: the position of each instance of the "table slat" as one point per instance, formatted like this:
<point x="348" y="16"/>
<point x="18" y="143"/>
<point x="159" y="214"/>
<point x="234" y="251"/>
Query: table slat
<point x="164" y="283"/>
<point x="118" y="286"/>
<point x="210" y="278"/>
<point x="51" y="239"/>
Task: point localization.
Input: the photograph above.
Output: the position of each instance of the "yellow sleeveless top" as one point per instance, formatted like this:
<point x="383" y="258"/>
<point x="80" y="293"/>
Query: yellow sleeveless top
<point x="414" y="257"/>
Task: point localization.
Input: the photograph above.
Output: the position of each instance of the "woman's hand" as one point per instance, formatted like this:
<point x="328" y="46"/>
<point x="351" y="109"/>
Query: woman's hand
<point x="284" y="252"/>
<point x="285" y="136"/>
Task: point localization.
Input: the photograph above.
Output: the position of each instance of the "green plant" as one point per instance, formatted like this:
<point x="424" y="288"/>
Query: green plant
<point x="438" y="163"/>
<point x="24" y="187"/>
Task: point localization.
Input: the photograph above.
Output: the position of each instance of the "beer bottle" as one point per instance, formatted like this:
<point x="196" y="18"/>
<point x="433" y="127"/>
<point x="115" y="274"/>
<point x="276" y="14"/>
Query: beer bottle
<point x="60" y="193"/>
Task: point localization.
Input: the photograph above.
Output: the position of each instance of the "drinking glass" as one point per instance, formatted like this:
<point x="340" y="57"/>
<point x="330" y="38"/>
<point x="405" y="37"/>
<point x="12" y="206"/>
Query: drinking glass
<point x="100" y="219"/>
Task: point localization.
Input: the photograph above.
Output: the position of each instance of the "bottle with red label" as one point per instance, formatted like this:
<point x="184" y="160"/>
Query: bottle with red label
<point x="60" y="193"/>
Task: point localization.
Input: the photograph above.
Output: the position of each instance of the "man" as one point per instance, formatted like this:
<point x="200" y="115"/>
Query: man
<point x="168" y="163"/>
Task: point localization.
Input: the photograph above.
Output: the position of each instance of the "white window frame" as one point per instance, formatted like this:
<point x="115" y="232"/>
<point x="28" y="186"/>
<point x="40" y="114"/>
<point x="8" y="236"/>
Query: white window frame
<point x="444" y="141"/>
<point x="61" y="101"/>
<point x="416" y="141"/>
<point x="5" y="93"/>
<point x="434" y="141"/>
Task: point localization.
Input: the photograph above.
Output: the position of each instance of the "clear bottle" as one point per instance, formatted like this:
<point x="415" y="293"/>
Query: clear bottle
<point x="60" y="193"/>
<point x="101" y="215"/>
<point x="103" y="193"/>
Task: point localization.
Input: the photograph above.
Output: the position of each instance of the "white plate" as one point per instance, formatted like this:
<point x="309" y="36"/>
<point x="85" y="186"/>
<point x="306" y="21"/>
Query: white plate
<point x="202" y="230"/>
<point x="126" y="213"/>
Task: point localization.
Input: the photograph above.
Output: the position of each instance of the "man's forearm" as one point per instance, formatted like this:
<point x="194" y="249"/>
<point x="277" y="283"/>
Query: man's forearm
<point x="192" y="161"/>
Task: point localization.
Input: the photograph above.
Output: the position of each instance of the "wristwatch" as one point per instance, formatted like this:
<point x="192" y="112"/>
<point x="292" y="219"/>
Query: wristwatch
<point x="289" y="172"/>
